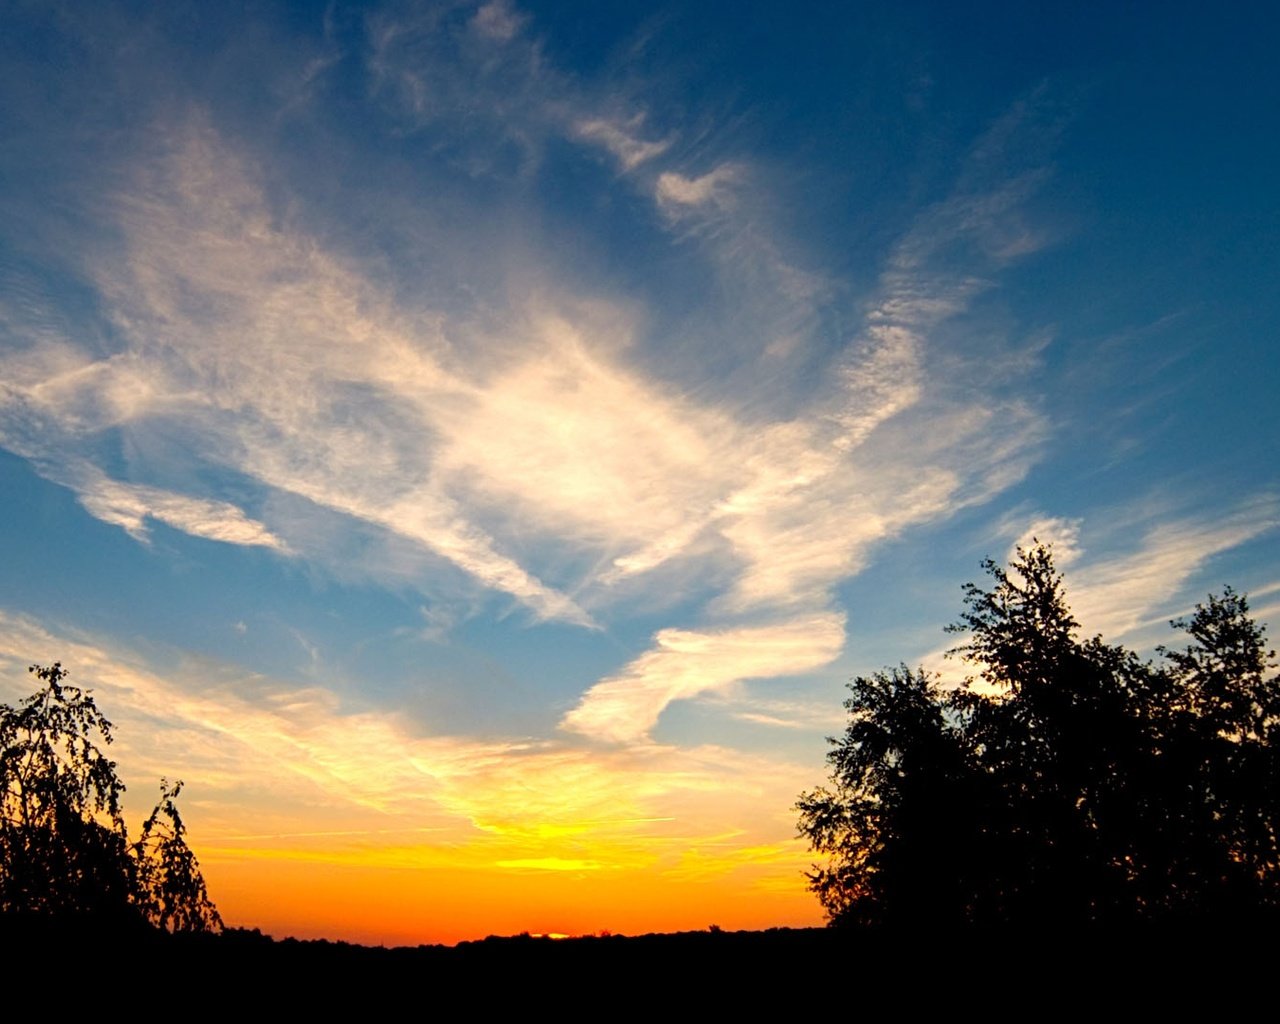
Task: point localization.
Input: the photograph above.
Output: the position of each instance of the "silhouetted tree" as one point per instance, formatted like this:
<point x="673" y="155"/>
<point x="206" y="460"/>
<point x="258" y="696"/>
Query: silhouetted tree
<point x="64" y="848"/>
<point x="171" y="889"/>
<point x="1226" y="708"/>
<point x="899" y="775"/>
<point x="1068" y="783"/>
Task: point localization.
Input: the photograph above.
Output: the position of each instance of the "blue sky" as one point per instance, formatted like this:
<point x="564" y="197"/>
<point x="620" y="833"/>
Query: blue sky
<point x="494" y="418"/>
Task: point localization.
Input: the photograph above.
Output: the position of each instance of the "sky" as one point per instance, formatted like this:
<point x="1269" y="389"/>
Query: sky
<point x="474" y="444"/>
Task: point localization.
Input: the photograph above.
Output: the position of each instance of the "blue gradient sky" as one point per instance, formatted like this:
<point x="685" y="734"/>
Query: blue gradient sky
<point x="480" y="440"/>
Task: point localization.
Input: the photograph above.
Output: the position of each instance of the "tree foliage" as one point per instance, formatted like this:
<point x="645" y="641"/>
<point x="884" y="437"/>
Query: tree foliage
<point x="64" y="847"/>
<point x="1067" y="782"/>
<point x="171" y="890"/>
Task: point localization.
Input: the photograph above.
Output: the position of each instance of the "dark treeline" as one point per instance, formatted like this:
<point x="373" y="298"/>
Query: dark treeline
<point x="781" y="971"/>
<point x="1069" y="784"/>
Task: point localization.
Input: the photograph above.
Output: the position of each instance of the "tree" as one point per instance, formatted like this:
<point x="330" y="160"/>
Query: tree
<point x="899" y="776"/>
<point x="170" y="887"/>
<point x="1069" y="782"/>
<point x="63" y="845"/>
<point x="1229" y="704"/>
<point x="64" y="848"/>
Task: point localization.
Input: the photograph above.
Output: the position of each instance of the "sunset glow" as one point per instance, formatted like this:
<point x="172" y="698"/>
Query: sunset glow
<point x="472" y="443"/>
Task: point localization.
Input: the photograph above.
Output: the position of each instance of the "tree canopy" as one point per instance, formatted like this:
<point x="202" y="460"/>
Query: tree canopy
<point x="65" y="851"/>
<point x="1066" y="782"/>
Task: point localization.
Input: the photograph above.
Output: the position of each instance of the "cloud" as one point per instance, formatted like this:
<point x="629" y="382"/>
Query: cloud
<point x="817" y="492"/>
<point x="1120" y="595"/>
<point x="881" y="380"/>
<point x="526" y="437"/>
<point x="497" y="20"/>
<point x="583" y="445"/>
<point x="284" y="363"/>
<point x="621" y="139"/>
<point x="1130" y="594"/>
<point x="277" y="769"/>
<point x="250" y="347"/>
<point x="254" y="348"/>
<point x="491" y="83"/>
<point x="821" y="716"/>
<point x="1062" y="535"/>
<point x="674" y="191"/>
<point x="130" y="505"/>
<point x="687" y="663"/>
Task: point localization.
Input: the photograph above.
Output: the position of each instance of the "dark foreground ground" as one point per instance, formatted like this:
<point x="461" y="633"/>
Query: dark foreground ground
<point x="804" y="973"/>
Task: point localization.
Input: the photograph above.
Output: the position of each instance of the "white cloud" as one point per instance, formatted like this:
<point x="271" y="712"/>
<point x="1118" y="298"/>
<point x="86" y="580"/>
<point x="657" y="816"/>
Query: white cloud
<point x="255" y="349"/>
<point x="779" y="712"/>
<point x="276" y="767"/>
<point x="251" y="346"/>
<point x="291" y="368"/>
<point x="715" y="188"/>
<point x="621" y="139"/>
<point x="1061" y="535"/>
<point x="687" y="663"/>
<point x="1130" y="595"/>
<point x="129" y="506"/>
<point x="881" y="381"/>
<point x="529" y="437"/>
<point x="1120" y="595"/>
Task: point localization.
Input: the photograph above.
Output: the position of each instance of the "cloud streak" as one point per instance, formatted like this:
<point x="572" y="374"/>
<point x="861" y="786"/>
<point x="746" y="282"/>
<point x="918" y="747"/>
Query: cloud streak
<point x="494" y="444"/>
<point x="675" y="193"/>
<point x="1130" y="595"/>
<point x="1120" y="595"/>
<point x="291" y="760"/>
<point x="685" y="664"/>
<point x="130" y="506"/>
<point x="621" y="139"/>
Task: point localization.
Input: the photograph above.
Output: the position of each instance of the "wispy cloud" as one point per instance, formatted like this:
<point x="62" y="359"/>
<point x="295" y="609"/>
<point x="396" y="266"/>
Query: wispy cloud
<point x="1061" y="535"/>
<point x="1120" y="595"/>
<point x="622" y="139"/>
<point x="1130" y="593"/>
<point x="263" y="343"/>
<point x="130" y="505"/>
<point x="498" y="20"/>
<point x="807" y="715"/>
<point x="685" y="664"/>
<point x="520" y="436"/>
<point x="675" y="192"/>
<point x="269" y="764"/>
<point x="264" y="346"/>
<point x="1130" y="590"/>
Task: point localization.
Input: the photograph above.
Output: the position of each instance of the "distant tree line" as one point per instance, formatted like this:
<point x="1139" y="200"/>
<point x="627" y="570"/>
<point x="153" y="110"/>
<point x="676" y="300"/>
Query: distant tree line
<point x="1068" y="782"/>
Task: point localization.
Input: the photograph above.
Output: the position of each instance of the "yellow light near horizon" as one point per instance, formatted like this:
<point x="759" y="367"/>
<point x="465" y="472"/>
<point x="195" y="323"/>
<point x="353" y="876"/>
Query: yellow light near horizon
<point x="379" y="905"/>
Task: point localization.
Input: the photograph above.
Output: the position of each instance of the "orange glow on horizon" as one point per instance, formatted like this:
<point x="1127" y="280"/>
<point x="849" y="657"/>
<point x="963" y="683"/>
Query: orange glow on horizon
<point x="373" y="904"/>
